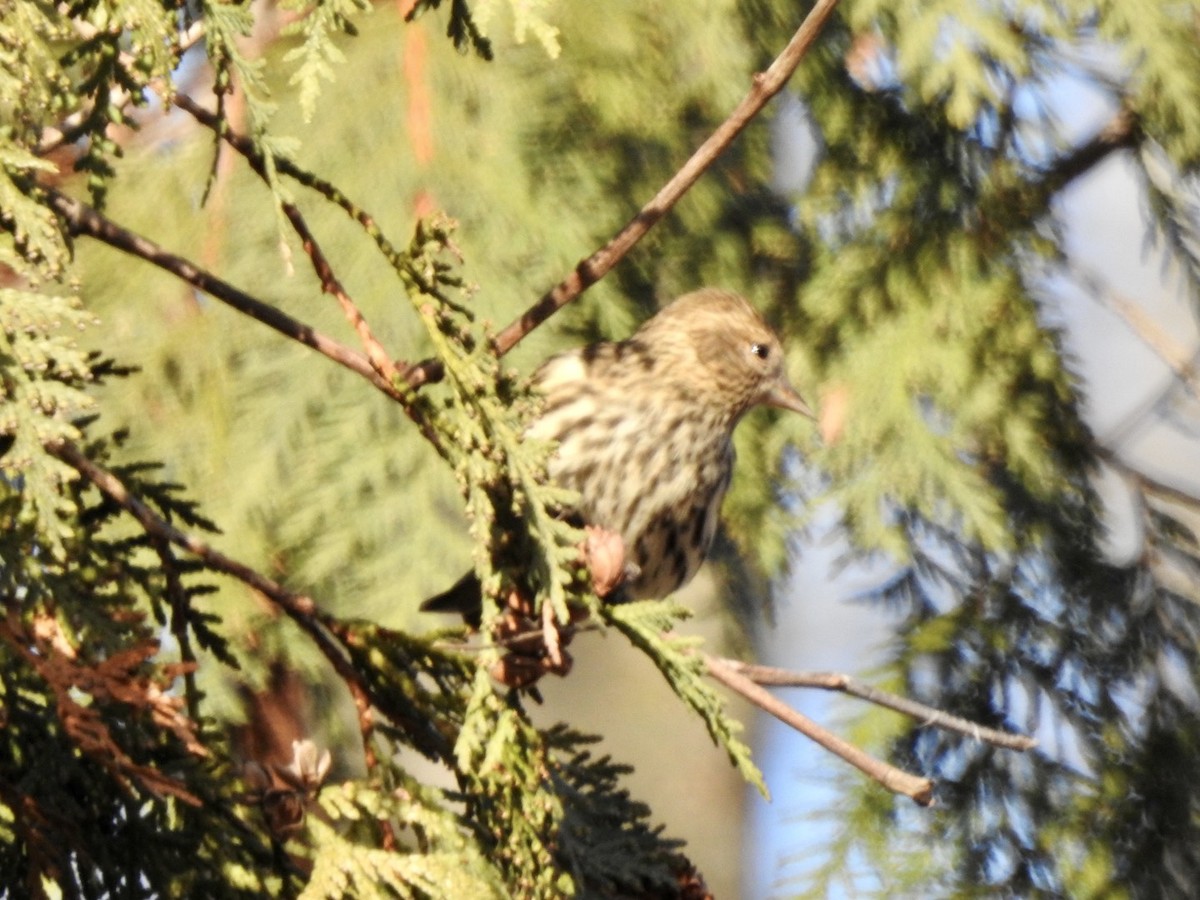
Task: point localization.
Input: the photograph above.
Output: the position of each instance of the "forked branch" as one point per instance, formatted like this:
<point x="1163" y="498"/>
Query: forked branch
<point x="919" y="789"/>
<point x="83" y="219"/>
<point x="847" y="684"/>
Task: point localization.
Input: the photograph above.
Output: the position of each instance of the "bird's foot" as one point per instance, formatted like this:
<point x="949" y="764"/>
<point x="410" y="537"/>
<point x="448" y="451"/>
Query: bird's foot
<point x="604" y="555"/>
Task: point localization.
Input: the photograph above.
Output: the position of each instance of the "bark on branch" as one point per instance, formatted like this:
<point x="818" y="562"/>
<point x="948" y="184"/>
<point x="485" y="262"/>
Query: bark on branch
<point x="84" y="220"/>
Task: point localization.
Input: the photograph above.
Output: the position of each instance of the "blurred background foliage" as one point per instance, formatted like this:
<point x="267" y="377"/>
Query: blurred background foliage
<point x="908" y="264"/>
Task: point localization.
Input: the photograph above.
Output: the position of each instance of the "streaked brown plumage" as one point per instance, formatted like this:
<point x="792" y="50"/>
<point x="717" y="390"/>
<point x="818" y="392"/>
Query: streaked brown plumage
<point x="644" y="429"/>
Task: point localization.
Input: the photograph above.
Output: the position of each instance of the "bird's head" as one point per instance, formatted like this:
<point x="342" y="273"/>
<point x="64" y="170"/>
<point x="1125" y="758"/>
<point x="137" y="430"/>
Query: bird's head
<point x="738" y="357"/>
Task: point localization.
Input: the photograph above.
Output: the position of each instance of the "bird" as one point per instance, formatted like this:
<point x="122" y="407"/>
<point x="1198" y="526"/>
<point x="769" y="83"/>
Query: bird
<point x="644" y="433"/>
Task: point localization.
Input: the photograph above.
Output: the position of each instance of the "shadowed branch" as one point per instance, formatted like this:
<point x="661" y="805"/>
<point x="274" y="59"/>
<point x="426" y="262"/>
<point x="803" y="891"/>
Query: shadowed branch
<point x="300" y="608"/>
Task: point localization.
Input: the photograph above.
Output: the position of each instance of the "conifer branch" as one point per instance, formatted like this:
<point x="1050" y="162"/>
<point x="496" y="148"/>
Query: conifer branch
<point x="83" y="219"/>
<point x="300" y="608"/>
<point x="919" y="789"/>
<point x="765" y="85"/>
<point x="847" y="684"/>
<point x="330" y="283"/>
<point x="74" y="125"/>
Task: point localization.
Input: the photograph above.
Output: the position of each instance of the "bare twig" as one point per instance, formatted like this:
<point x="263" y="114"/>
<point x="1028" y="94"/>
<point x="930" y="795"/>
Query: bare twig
<point x="1121" y="132"/>
<point x="1147" y="483"/>
<point x="300" y="608"/>
<point x="84" y="220"/>
<point x="590" y="270"/>
<point x="330" y="284"/>
<point x="1180" y="358"/>
<point x="919" y="789"/>
<point x="846" y="684"/>
<point x="297" y="606"/>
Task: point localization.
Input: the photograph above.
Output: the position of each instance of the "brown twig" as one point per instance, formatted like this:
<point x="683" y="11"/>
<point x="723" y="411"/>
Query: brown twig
<point x="1148" y="483"/>
<point x="919" y="789"/>
<point x="765" y="85"/>
<point x="297" y="606"/>
<point x="380" y="361"/>
<point x="84" y="220"/>
<point x="330" y="284"/>
<point x="300" y="608"/>
<point x="1121" y="132"/>
<point x="846" y="684"/>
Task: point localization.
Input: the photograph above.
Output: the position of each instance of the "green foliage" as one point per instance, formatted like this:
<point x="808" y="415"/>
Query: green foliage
<point x="548" y="817"/>
<point x="31" y="97"/>
<point x="932" y="230"/>
<point x="647" y="624"/>
<point x="909" y="280"/>
<point x="34" y="245"/>
<point x="528" y="18"/>
<point x="1158" y="45"/>
<point x="514" y="513"/>
<point x="41" y="394"/>
<point x="440" y="861"/>
<point x="534" y="813"/>
<point x="99" y="753"/>
<point x="463" y="29"/>
<point x="318" y="55"/>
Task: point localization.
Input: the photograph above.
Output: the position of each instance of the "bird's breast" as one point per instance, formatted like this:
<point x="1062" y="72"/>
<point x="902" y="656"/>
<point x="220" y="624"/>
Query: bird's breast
<point x="655" y="473"/>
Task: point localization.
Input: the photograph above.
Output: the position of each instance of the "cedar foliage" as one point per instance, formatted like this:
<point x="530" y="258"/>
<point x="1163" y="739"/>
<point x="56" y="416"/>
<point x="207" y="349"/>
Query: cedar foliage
<point x="908" y="276"/>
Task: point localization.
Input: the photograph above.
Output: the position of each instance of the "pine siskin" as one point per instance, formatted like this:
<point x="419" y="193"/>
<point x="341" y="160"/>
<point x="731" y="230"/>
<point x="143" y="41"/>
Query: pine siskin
<point x="644" y="429"/>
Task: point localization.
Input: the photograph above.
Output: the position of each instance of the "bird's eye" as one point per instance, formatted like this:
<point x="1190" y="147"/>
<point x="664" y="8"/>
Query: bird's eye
<point x="762" y="351"/>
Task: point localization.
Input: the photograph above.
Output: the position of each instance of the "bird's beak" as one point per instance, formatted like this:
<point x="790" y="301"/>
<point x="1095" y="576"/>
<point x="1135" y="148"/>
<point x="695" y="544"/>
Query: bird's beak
<point x="782" y="395"/>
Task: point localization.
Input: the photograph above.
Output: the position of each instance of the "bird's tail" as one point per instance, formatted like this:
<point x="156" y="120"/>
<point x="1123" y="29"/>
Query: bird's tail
<point x="464" y="597"/>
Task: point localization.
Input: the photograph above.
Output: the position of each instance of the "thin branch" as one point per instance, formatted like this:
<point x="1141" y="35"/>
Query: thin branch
<point x="297" y="606"/>
<point x="1147" y="483"/>
<point x="1181" y="359"/>
<point x="765" y="85"/>
<point x="1121" y="132"/>
<point x="590" y="270"/>
<point x="84" y="220"/>
<point x="918" y="789"/>
<point x="300" y="608"/>
<point x="330" y="284"/>
<point x="846" y="684"/>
